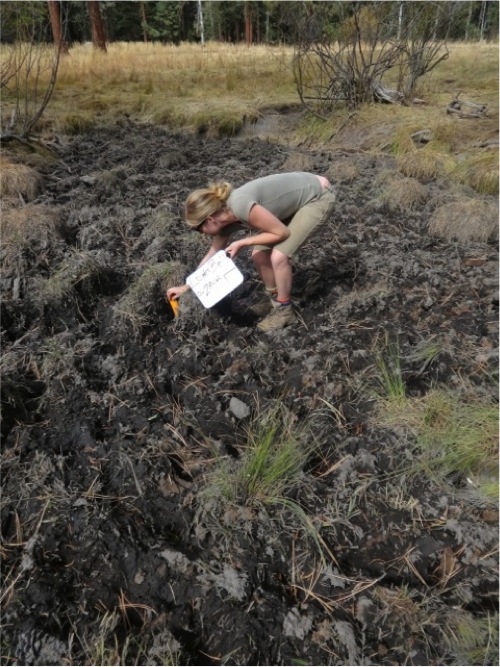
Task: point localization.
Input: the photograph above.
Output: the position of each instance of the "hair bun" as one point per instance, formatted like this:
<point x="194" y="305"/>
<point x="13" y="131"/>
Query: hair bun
<point x="222" y="190"/>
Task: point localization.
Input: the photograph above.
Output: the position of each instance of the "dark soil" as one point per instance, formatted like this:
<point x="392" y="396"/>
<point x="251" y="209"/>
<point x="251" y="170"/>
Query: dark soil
<point x="115" y="415"/>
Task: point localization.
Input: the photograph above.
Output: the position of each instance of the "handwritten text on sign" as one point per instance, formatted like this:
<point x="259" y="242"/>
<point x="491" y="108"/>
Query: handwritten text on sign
<point x="215" y="279"/>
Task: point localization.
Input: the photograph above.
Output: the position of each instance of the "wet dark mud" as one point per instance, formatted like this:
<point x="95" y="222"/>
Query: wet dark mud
<point x="117" y="548"/>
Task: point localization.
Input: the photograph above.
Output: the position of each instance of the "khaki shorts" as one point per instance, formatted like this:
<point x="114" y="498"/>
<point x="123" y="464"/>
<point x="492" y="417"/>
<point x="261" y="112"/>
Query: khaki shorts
<point x="304" y="222"/>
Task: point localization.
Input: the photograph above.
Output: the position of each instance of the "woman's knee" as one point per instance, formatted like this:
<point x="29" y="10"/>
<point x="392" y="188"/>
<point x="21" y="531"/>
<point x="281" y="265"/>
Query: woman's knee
<point x="279" y="259"/>
<point x="261" y="257"/>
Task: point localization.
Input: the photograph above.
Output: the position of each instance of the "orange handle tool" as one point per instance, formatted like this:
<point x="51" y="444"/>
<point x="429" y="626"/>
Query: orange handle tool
<point x="174" y="304"/>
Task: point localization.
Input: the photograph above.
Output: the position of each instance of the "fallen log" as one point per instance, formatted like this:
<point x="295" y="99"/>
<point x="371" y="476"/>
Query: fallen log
<point x="383" y="94"/>
<point x="456" y="107"/>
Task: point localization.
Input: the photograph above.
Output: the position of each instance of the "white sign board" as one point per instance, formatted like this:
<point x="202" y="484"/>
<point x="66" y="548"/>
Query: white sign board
<point x="215" y="279"/>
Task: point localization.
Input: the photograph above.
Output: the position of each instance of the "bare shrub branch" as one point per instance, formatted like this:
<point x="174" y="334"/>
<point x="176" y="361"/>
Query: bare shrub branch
<point x="28" y="74"/>
<point x="364" y="56"/>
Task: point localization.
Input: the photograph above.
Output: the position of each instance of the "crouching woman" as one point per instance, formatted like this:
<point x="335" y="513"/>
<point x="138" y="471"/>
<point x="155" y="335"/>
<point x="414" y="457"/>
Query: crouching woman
<point x="280" y="212"/>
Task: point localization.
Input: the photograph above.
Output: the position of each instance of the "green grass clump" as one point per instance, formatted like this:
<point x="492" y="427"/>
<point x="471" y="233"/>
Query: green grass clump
<point x="272" y="462"/>
<point x="474" y="641"/>
<point x="457" y="437"/>
<point x="392" y="388"/>
<point x="271" y="465"/>
<point x="75" y="123"/>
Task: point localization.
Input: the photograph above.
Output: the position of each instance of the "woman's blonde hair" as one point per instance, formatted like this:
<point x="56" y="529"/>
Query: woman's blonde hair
<point x="206" y="201"/>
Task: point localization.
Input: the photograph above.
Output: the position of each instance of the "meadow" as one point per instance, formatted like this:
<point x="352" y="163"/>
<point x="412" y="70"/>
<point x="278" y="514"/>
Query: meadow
<point x="186" y="490"/>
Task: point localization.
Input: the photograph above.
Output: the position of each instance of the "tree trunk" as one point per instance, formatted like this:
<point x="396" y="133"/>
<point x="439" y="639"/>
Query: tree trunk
<point x="55" y="23"/>
<point x="400" y="20"/>
<point x="201" y="24"/>
<point x="144" y="22"/>
<point x="98" y="34"/>
<point x="483" y="18"/>
<point x="248" y="24"/>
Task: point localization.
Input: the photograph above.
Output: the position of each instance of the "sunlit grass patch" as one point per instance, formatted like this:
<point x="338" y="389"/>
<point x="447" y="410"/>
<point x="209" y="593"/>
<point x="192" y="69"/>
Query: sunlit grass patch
<point x="391" y="385"/>
<point x="271" y="465"/>
<point x="139" y="77"/>
<point x="314" y="129"/>
<point x="480" y="172"/>
<point x="457" y="436"/>
<point x="466" y="219"/>
<point x="424" y="164"/>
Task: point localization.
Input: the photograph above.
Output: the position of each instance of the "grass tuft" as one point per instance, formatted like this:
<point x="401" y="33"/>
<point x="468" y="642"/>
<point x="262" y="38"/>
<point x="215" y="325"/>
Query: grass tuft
<point x="424" y="164"/>
<point x="270" y="466"/>
<point x="75" y="123"/>
<point x="19" y="180"/>
<point x="404" y="194"/>
<point x="466" y="219"/>
<point x="141" y="299"/>
<point x="479" y="172"/>
<point x="272" y="462"/>
<point x="392" y="387"/>
<point x="457" y="437"/>
<point x="474" y="641"/>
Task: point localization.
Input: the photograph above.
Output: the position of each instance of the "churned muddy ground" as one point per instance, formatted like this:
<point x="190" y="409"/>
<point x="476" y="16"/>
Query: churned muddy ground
<point x="121" y="423"/>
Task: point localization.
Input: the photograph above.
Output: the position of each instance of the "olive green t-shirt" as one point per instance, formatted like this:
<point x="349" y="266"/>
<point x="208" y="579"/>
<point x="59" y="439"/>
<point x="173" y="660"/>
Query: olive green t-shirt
<point x="281" y="194"/>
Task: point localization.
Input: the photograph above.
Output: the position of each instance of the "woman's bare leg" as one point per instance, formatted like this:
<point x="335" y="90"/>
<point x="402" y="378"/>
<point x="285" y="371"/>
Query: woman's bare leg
<point x="275" y="270"/>
<point x="282" y="273"/>
<point x="262" y="263"/>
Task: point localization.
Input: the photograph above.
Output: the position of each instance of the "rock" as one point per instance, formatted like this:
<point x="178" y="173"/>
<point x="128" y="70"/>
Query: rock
<point x="239" y="409"/>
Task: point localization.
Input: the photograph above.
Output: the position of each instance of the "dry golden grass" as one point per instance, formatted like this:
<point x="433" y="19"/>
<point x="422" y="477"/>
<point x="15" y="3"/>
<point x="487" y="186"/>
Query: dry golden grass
<point x="343" y="171"/>
<point x="32" y="227"/>
<point x="424" y="164"/>
<point x="19" y="180"/>
<point x="17" y="224"/>
<point x="220" y="89"/>
<point x="403" y="194"/>
<point x="298" y="162"/>
<point x="480" y="172"/>
<point x="184" y="85"/>
<point x="466" y="219"/>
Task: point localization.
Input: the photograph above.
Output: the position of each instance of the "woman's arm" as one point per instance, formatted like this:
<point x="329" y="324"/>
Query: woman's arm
<point x="272" y="230"/>
<point x="218" y="243"/>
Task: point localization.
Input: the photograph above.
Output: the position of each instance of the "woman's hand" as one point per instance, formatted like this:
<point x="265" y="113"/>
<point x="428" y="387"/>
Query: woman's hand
<point x="234" y="247"/>
<point x="176" y="292"/>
